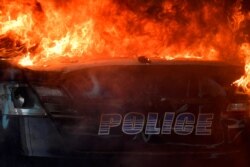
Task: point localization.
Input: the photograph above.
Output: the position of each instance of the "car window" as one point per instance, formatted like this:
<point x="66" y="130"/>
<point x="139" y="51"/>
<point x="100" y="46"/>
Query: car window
<point x="127" y="82"/>
<point x="208" y="87"/>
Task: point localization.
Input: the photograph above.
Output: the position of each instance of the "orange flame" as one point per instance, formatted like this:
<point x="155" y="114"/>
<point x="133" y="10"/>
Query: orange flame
<point x="244" y="81"/>
<point x="54" y="32"/>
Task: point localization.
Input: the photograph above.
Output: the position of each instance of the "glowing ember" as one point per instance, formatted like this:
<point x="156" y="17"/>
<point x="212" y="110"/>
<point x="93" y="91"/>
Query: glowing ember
<point x="46" y="33"/>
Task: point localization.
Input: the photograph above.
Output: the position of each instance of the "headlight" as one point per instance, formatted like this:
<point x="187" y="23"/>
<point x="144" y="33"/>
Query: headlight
<point x="19" y="99"/>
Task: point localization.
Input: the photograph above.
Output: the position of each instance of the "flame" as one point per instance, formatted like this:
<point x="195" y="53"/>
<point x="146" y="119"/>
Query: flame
<point x="26" y="61"/>
<point x="244" y="81"/>
<point x="39" y="33"/>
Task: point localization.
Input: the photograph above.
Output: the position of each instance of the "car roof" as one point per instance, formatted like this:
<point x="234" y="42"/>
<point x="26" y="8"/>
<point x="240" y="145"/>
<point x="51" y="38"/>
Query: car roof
<point x="69" y="67"/>
<point x="135" y="62"/>
<point x="227" y="71"/>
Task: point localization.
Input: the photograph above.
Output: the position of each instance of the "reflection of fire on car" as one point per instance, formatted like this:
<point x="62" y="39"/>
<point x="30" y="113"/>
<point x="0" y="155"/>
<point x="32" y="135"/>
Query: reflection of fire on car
<point x="124" y="107"/>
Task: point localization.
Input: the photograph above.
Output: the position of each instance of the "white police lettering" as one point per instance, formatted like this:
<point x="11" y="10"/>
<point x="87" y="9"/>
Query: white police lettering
<point x="151" y="124"/>
<point x="204" y="123"/>
<point x="108" y="121"/>
<point x="184" y="124"/>
<point x="133" y="123"/>
<point x="167" y="123"/>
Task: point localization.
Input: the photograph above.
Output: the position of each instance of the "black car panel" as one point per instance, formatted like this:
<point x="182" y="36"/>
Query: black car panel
<point x="77" y="100"/>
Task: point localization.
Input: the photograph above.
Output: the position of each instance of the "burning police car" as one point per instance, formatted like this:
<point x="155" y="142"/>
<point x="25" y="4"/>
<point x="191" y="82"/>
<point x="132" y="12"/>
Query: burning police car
<point x="120" y="108"/>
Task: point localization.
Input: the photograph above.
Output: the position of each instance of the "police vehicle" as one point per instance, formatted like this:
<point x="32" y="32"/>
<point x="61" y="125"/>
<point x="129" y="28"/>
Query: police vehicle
<point x="123" y="109"/>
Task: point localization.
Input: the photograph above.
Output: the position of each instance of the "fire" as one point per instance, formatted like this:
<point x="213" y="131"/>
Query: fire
<point x="39" y="33"/>
<point x="244" y="81"/>
<point x="26" y="61"/>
